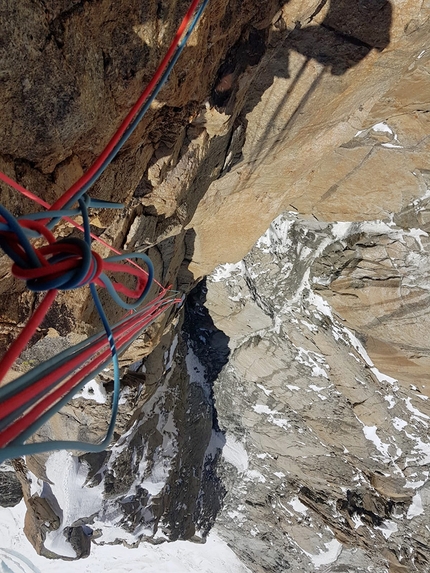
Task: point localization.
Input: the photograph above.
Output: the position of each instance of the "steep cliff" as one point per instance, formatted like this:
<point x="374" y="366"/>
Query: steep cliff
<point x="326" y="457"/>
<point x="272" y="402"/>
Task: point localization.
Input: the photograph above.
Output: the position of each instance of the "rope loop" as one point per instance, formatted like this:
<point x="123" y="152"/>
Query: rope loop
<point x="48" y="264"/>
<point x="66" y="264"/>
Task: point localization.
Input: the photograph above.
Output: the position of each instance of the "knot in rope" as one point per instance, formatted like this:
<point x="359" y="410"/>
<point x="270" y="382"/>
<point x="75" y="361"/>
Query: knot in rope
<point x="29" y="401"/>
<point x="66" y="264"/>
<point x="70" y="262"/>
<point x="62" y="264"/>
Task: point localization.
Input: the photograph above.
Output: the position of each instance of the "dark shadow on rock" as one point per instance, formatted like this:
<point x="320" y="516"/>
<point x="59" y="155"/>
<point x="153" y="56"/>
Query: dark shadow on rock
<point x="207" y="342"/>
<point x="79" y="537"/>
<point x="207" y="353"/>
<point x="343" y="40"/>
<point x="346" y="36"/>
<point x="350" y="30"/>
<point x="247" y="51"/>
<point x="185" y="280"/>
<point x="364" y="21"/>
<point x="10" y="489"/>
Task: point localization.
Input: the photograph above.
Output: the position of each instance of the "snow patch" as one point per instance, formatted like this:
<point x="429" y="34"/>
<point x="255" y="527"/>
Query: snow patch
<point x="169" y="354"/>
<point x="225" y="271"/>
<point x="422" y="448"/>
<point x="310" y="326"/>
<point x="36" y="485"/>
<point x="256" y="476"/>
<point x="155" y="483"/>
<point x="371" y="435"/>
<point x="416" y="507"/>
<point x="298" y="506"/>
<point x="417" y="234"/>
<point x="313" y="361"/>
<point x="68" y="478"/>
<point x="263" y="409"/>
<point x="235" y="454"/>
<point x="334" y="549"/>
<point x="416" y="484"/>
<point x="355" y="343"/>
<point x="382" y="127"/>
<point x="267" y="392"/>
<point x="383" y="377"/>
<point x="392" y="145"/>
<point x="125" y="392"/>
<point x="399" y="424"/>
<point x="196" y="370"/>
<point x="316" y="388"/>
<point x="93" y="390"/>
<point x="136" y="365"/>
<point x="276" y="235"/>
<point x="341" y="230"/>
<point x="357" y="521"/>
<point x="414" y="410"/>
<point x="387" y="528"/>
<point x="214" y="556"/>
<point x="320" y="304"/>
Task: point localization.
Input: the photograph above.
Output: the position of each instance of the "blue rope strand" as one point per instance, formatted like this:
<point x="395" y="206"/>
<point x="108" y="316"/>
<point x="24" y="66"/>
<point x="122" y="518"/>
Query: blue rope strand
<point x="18" y="444"/>
<point x="15" y="227"/>
<point x="145" y="107"/>
<point x="18" y="448"/>
<point x="73" y="279"/>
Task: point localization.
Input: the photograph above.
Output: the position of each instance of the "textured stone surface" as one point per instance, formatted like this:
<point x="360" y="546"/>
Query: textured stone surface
<point x="320" y="108"/>
<point x="292" y="83"/>
<point x="325" y="456"/>
<point x="10" y="489"/>
<point x="301" y="150"/>
<point x="70" y="74"/>
<point x="382" y="292"/>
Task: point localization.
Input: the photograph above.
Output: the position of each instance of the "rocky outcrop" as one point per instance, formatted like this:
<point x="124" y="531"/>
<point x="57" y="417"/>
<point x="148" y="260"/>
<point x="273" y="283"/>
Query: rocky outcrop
<point x="255" y="117"/>
<point x="309" y="144"/>
<point x="326" y="457"/>
<point x="40" y="517"/>
<point x="10" y="488"/>
<point x="71" y="72"/>
<point x="380" y="289"/>
<point x="315" y="108"/>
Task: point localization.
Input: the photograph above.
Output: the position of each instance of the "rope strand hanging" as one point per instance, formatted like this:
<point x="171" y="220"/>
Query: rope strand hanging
<point x="29" y="401"/>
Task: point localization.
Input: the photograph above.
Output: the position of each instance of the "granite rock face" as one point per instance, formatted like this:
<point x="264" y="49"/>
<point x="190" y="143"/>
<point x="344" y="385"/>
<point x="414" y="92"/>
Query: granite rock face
<point x="326" y="456"/>
<point x="70" y="73"/>
<point x="255" y="118"/>
<point x="291" y="409"/>
<point x="336" y="127"/>
<point x="264" y="416"/>
<point x="10" y="488"/>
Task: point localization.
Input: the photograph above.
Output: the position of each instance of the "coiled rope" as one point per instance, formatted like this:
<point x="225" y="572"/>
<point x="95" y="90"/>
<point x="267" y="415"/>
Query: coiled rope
<point x="29" y="401"/>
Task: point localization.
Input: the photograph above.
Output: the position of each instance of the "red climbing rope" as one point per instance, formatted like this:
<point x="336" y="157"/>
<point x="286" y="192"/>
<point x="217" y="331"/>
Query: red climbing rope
<point x="23" y="339"/>
<point x="85" y="363"/>
<point x="71" y="263"/>
<point x="130" y="116"/>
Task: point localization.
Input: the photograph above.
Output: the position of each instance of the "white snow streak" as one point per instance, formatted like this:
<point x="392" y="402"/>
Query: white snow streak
<point x="68" y="477"/>
<point x="214" y="556"/>
<point x="93" y="390"/>
<point x="416" y="507"/>
<point x="235" y="454"/>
